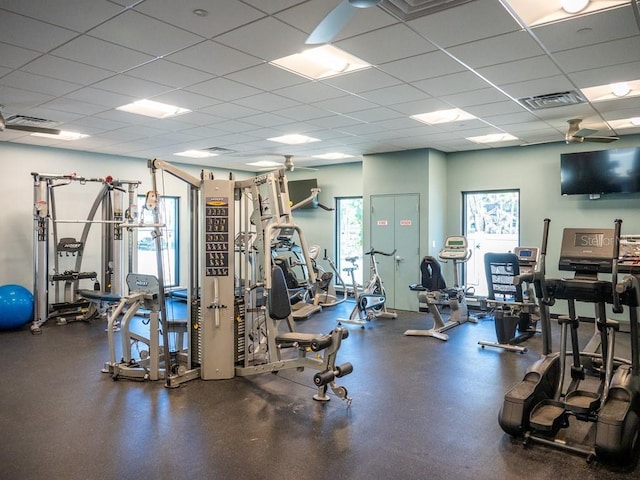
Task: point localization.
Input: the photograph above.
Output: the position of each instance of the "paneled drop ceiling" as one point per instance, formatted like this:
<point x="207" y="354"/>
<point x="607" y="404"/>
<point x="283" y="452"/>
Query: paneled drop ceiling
<point x="72" y="62"/>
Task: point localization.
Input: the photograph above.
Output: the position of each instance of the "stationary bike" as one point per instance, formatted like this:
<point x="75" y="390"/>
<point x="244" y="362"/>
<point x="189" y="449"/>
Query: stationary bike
<point x="370" y="301"/>
<point x="433" y="293"/>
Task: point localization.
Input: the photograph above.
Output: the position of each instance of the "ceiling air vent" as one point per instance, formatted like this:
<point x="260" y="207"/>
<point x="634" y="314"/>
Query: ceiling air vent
<point x="552" y="100"/>
<point x="411" y="9"/>
<point x="29" y="121"/>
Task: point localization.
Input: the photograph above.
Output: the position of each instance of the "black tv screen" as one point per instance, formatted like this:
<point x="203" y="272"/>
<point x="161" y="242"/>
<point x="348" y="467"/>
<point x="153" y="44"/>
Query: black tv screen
<point x="299" y="190"/>
<point x="603" y="171"/>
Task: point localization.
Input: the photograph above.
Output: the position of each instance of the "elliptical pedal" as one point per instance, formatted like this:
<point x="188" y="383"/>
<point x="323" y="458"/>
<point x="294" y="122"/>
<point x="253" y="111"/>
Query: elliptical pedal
<point x="548" y="417"/>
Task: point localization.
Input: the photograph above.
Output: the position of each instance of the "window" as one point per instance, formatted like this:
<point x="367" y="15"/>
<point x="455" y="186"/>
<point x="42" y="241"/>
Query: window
<point x="349" y="235"/>
<point x="491" y="224"/>
<point x="146" y="251"/>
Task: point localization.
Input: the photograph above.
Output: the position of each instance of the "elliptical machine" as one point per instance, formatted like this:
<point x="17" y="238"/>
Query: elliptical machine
<point x="540" y="408"/>
<point x="371" y="299"/>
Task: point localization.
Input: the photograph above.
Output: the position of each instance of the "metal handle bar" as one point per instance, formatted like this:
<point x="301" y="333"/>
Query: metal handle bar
<point x="375" y="252"/>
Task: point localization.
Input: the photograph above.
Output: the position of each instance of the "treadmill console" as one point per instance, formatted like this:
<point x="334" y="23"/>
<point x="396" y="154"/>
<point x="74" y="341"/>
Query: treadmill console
<point x="587" y="250"/>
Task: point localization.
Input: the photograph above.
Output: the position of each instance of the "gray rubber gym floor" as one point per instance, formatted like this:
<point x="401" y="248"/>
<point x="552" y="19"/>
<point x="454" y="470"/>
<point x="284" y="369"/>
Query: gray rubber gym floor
<point x="422" y="409"/>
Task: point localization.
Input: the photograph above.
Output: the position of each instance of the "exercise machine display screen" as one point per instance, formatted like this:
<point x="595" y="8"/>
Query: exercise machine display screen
<point x="587" y="250"/>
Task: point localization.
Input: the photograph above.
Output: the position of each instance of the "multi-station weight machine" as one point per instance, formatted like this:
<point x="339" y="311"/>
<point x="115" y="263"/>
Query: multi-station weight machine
<point x="64" y="304"/>
<point x="239" y="315"/>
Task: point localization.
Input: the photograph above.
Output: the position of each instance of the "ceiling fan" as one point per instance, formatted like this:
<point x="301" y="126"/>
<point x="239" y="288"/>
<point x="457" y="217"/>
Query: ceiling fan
<point x="575" y="134"/>
<point x="288" y="165"/>
<point x="336" y="20"/>
<point x="6" y="125"/>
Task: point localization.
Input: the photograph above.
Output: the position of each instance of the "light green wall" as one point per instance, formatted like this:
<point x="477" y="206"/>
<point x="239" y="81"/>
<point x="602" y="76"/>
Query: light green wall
<point x="396" y="173"/>
<point x="535" y="170"/>
<point x="334" y="181"/>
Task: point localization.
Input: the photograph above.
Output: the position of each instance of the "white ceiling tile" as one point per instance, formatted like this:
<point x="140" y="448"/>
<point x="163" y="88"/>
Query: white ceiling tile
<point x="520" y="70"/>
<point x="15" y="57"/>
<point x="214" y="58"/>
<point x="144" y="34"/>
<point x="600" y="55"/>
<point x="362" y="80"/>
<point x="475" y="97"/>
<point x="381" y="46"/>
<point x="37" y="83"/>
<point x="169" y="73"/>
<point x="223" y="89"/>
<point x="32" y="34"/>
<point x="428" y="65"/>
<point x="377" y="114"/>
<point x="448" y="84"/>
<point x="223" y="15"/>
<point x="267" y="102"/>
<point x="468" y="23"/>
<point x="267" y="77"/>
<point x="68" y="70"/>
<point x="310" y="92"/>
<point x="495" y="50"/>
<point x="96" y="52"/>
<point x="602" y="76"/>
<point x="135" y="87"/>
<point x="185" y="99"/>
<point x="267" y="39"/>
<point x="585" y="30"/>
<point x="95" y="96"/>
<point x="229" y="110"/>
<point x="393" y="95"/>
<point x="303" y="112"/>
<point x="345" y="104"/>
<point x="65" y="104"/>
<point x="72" y="14"/>
<point x="273" y="6"/>
<point x="422" y="106"/>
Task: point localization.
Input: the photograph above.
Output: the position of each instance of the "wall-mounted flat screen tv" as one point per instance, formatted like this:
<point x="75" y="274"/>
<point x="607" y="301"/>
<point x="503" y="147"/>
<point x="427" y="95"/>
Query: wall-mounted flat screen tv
<point x="603" y="171"/>
<point x="299" y="190"/>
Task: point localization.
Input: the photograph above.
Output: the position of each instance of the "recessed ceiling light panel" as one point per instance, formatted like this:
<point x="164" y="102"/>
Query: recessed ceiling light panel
<point x="196" y="154"/>
<point x="293" y="139"/>
<point x="443" y="116"/>
<point x="153" y="109"/>
<point x="63" y="135"/>
<point x="321" y="62"/>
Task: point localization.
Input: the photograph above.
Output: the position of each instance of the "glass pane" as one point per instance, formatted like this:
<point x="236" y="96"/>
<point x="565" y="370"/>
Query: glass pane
<point x="349" y="236"/>
<point x="491" y="224"/>
<point x="147" y="260"/>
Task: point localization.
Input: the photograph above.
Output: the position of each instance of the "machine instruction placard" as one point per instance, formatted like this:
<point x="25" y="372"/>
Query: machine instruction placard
<point x="217" y="236"/>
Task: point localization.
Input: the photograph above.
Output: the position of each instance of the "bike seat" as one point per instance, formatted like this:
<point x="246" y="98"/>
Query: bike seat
<point x="351" y="259"/>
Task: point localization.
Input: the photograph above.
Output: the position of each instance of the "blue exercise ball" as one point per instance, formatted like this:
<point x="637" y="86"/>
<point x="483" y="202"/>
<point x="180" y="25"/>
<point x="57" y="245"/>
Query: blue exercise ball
<point x="16" y="306"/>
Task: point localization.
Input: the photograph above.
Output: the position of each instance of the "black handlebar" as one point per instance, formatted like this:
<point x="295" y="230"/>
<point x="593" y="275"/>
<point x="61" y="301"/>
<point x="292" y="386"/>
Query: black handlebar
<point x="617" y="307"/>
<point x="376" y="252"/>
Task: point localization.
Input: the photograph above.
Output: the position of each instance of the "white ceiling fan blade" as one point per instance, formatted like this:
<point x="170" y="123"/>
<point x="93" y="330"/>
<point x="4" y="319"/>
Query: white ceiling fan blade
<point x="332" y="24"/>
<point x="600" y="139"/>
<point x="585" y="132"/>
